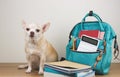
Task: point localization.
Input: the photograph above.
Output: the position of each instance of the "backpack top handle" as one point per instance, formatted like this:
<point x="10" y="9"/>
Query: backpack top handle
<point x="94" y="15"/>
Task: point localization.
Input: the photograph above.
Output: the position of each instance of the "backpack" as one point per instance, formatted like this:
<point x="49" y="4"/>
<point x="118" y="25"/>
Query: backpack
<point x="100" y="60"/>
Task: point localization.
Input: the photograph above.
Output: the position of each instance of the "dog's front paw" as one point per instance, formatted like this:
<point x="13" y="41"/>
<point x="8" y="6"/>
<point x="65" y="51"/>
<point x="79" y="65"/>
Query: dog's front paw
<point x="28" y="70"/>
<point x="40" y="72"/>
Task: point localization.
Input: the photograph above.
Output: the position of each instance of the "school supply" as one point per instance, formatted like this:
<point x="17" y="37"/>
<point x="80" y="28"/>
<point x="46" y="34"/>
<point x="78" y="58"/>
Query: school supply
<point x="100" y="60"/>
<point x="93" y="33"/>
<point x="67" y="69"/>
<point x="74" y="43"/>
<point x="50" y="72"/>
<point x="88" y="44"/>
<point x="68" y="66"/>
<point x="90" y="73"/>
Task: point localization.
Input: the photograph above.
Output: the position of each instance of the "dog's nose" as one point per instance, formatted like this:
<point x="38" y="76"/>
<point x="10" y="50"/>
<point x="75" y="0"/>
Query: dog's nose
<point x="32" y="34"/>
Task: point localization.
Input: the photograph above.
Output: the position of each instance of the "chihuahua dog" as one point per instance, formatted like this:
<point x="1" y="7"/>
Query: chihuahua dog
<point x="38" y="49"/>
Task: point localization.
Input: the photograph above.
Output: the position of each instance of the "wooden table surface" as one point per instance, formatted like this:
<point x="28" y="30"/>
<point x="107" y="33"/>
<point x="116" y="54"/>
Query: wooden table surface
<point x="10" y="70"/>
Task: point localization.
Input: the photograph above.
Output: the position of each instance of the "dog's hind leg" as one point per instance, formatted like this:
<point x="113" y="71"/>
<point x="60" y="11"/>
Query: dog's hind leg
<point x="24" y="66"/>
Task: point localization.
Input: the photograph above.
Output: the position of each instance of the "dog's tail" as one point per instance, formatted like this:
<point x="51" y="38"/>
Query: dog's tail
<point x="23" y="66"/>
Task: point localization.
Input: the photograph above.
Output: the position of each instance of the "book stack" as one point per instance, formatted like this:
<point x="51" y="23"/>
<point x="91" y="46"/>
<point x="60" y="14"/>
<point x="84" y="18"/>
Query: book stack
<point x="67" y="69"/>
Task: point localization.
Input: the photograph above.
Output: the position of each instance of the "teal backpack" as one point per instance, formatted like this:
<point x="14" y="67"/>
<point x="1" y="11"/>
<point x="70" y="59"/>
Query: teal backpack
<point x="101" y="59"/>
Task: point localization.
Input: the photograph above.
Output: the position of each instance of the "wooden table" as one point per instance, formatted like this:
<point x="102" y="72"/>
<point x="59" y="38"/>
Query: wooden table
<point x="10" y="70"/>
<point x="114" y="71"/>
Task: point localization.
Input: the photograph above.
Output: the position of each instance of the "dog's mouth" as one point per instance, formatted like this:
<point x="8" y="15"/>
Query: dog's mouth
<point x="31" y="36"/>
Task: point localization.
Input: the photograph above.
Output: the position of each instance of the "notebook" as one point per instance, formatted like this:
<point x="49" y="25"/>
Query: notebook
<point x="92" y="33"/>
<point x="68" y="66"/>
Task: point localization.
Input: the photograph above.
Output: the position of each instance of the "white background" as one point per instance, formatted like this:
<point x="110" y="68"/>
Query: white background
<point x="63" y="15"/>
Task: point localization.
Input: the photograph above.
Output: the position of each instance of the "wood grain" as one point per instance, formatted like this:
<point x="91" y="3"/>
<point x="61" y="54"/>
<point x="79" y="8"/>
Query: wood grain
<point x="11" y="70"/>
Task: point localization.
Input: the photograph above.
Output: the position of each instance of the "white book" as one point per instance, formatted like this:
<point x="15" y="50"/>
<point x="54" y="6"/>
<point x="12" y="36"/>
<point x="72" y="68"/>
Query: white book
<point x="80" y="74"/>
<point x="49" y="74"/>
<point x="90" y="73"/>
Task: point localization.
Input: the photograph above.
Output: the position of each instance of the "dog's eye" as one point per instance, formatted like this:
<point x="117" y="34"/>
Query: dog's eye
<point x="27" y="29"/>
<point x="37" y="30"/>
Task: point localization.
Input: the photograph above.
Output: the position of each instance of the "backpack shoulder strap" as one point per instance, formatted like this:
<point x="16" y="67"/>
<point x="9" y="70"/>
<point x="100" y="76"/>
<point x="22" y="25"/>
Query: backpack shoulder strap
<point x="116" y="49"/>
<point x="71" y="32"/>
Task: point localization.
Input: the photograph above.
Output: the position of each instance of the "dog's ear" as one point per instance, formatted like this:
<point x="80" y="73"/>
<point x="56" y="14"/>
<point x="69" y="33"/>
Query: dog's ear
<point x="45" y="27"/>
<point x="23" y="24"/>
